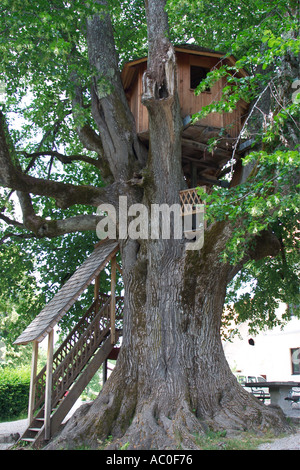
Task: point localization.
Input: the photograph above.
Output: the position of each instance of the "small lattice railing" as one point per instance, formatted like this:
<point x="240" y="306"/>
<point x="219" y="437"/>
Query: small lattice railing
<point x="190" y="201"/>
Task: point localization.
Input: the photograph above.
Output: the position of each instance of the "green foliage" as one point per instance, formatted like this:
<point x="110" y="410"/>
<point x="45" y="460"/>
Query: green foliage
<point x="259" y="289"/>
<point x="20" y="297"/>
<point x="242" y="441"/>
<point x="269" y="284"/>
<point x="125" y="446"/>
<point x="269" y="200"/>
<point x="94" y="387"/>
<point x="42" y="47"/>
<point x="14" y="390"/>
<point x="260" y="49"/>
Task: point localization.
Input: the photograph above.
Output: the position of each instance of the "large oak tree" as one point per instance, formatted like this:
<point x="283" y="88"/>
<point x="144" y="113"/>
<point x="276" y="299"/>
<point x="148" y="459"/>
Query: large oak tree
<point x="172" y="379"/>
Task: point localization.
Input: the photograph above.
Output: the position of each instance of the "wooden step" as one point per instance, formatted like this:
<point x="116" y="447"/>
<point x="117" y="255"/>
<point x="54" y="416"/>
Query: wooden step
<point x="28" y="439"/>
<point x="34" y="429"/>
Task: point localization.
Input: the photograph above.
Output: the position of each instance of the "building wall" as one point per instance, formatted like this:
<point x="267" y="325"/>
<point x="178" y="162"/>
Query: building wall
<point x="271" y="354"/>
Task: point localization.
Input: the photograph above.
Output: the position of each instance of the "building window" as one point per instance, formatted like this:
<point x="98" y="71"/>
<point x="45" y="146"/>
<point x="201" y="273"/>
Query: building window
<point x="197" y="75"/>
<point x="295" y="357"/>
<point x="293" y="310"/>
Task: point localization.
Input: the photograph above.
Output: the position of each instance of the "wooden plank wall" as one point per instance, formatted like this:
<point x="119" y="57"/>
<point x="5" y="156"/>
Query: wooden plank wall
<point x="190" y="104"/>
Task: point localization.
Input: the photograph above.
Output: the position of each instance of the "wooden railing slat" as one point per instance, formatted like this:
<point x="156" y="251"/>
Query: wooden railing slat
<point x="77" y="349"/>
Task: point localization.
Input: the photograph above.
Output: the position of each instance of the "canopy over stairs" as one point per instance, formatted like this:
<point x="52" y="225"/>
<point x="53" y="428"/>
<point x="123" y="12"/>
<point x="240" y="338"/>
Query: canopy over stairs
<point x="69" y="293"/>
<point x="59" y="384"/>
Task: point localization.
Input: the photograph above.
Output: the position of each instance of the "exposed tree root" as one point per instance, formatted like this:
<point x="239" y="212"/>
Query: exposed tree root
<point x="113" y="421"/>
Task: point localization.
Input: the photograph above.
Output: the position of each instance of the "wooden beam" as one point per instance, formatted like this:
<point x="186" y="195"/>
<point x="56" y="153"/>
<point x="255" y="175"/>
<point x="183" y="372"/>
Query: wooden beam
<point x="193" y="175"/>
<point x="48" y="391"/>
<point x="35" y="352"/>
<point x="97" y="287"/>
<point x="199" y="163"/>
<point x="205" y="148"/>
<point x="104" y="372"/>
<point x="113" y="300"/>
<point x="206" y="181"/>
<point x="119" y="269"/>
<point x="96" y="293"/>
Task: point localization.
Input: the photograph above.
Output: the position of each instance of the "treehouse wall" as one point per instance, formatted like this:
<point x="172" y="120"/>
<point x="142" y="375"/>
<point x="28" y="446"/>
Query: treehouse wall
<point x="190" y="104"/>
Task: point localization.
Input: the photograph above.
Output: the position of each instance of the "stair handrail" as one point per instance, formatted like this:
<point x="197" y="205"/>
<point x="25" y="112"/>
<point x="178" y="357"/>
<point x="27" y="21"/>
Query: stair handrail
<point x="67" y="346"/>
<point x="73" y="363"/>
<point x="71" y="366"/>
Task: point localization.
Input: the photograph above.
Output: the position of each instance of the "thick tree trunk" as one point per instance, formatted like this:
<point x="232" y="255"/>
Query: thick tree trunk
<point x="172" y="380"/>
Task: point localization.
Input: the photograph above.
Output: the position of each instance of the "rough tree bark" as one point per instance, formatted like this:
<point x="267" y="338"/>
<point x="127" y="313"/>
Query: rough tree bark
<point x="172" y="379"/>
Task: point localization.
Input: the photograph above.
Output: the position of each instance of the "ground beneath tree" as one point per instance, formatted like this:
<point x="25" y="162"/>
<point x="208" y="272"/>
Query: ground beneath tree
<point x="291" y="442"/>
<point x="9" y="432"/>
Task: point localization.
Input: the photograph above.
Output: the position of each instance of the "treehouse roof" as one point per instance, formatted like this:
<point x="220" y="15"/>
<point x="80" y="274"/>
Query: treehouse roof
<point x="128" y="76"/>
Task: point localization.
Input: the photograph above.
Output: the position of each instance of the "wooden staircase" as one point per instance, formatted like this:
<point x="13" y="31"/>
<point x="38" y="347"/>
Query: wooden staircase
<point x="74" y="364"/>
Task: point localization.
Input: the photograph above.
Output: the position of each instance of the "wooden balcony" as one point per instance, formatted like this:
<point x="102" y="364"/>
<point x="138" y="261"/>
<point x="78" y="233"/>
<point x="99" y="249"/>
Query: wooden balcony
<point x="192" y="208"/>
<point x="191" y="202"/>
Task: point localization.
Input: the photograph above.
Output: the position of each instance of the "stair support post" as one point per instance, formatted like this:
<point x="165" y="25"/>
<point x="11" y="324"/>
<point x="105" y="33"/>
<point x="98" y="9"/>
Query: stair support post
<point x="96" y="293"/>
<point x="48" y="391"/>
<point x="113" y="300"/>
<point x="104" y="372"/>
<point x="35" y="351"/>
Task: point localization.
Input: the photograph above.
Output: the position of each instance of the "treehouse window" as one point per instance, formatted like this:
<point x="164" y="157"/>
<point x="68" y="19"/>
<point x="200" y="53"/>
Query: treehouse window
<point x="197" y="74"/>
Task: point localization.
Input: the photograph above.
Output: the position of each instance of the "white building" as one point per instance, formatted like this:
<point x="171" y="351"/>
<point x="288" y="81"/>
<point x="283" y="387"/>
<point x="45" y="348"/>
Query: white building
<point x="274" y="354"/>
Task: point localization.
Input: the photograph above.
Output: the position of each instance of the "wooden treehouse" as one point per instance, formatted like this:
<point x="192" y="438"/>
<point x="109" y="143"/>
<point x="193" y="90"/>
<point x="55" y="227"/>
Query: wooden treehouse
<point x="201" y="166"/>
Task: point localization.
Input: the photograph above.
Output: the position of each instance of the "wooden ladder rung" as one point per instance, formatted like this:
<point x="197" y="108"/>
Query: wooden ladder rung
<point x="28" y="439"/>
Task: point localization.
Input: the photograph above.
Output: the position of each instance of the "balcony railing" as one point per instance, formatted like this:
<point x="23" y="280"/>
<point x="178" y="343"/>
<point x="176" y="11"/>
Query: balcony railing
<point x="190" y="201"/>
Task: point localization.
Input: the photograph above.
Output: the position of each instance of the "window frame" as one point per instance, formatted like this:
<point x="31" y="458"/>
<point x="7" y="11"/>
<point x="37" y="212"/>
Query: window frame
<point x="295" y="366"/>
<point x="205" y="71"/>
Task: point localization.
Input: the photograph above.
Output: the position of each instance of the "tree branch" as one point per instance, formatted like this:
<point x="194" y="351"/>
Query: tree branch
<point x="40" y="227"/>
<point x="265" y="244"/>
<point x="16" y="235"/>
<point x="9" y="221"/>
<point x="65" y="159"/>
<point x="110" y="109"/>
<point x="158" y="30"/>
<point x="52" y="228"/>
<point x="87" y="136"/>
<point x="79" y="223"/>
<point x="161" y="99"/>
<point x="65" y="194"/>
<point x="160" y="78"/>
